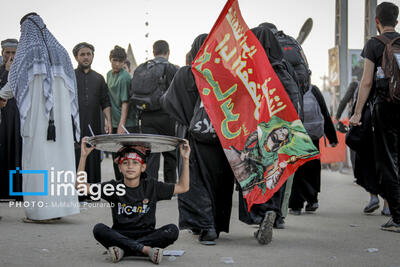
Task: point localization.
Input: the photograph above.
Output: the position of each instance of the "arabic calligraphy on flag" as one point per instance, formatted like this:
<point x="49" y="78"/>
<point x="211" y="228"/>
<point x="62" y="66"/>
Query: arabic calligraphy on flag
<point x="256" y="123"/>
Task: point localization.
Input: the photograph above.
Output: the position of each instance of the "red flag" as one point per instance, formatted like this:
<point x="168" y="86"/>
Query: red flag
<point x="256" y="123"/>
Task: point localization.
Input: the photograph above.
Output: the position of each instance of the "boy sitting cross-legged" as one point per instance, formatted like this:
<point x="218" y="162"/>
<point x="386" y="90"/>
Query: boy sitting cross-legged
<point x="133" y="209"/>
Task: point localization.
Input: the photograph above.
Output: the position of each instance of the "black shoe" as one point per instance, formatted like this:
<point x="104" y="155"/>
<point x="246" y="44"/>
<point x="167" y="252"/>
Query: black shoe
<point x="208" y="237"/>
<point x="279" y="223"/>
<point x="372" y="206"/>
<point x="295" y="212"/>
<point x="264" y="233"/>
<point x="391" y="226"/>
<point x="311" y="207"/>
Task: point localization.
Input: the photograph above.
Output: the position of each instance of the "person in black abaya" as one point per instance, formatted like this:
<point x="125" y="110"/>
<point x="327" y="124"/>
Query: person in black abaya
<point x="270" y="212"/>
<point x="206" y="207"/>
<point x="10" y="134"/>
<point x="364" y="166"/>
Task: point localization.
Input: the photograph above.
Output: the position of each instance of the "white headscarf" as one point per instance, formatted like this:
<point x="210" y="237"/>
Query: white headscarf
<point x="40" y="53"/>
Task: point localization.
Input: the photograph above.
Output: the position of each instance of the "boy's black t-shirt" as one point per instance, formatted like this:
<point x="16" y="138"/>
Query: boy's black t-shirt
<point x="137" y="208"/>
<point x="373" y="50"/>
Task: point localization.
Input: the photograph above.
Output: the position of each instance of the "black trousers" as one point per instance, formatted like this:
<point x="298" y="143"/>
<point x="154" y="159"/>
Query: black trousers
<point x="170" y="166"/>
<point x="386" y="119"/>
<point x="353" y="159"/>
<point x="258" y="211"/>
<point x="365" y="169"/>
<point x="133" y="241"/>
<point x="158" y="122"/>
<point x="306" y="183"/>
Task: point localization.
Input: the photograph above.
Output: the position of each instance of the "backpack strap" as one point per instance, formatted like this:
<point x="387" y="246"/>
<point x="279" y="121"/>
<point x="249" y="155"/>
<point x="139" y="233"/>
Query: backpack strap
<point x="383" y="39"/>
<point x="151" y="61"/>
<point x="164" y="77"/>
<point x="165" y="70"/>
<point x="394" y="40"/>
<point x="163" y="80"/>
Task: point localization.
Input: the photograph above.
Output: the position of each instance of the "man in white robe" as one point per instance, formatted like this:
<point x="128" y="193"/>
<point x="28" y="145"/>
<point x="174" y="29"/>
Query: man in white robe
<point x="42" y="80"/>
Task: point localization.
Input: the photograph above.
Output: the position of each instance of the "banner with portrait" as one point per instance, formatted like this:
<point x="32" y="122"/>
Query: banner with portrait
<point x="257" y="125"/>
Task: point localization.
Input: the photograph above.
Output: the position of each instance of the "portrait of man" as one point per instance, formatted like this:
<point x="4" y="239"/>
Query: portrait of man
<point x="259" y="162"/>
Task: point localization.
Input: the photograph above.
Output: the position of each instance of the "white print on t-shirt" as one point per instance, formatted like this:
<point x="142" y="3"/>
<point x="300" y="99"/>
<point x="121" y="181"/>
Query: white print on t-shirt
<point x="129" y="210"/>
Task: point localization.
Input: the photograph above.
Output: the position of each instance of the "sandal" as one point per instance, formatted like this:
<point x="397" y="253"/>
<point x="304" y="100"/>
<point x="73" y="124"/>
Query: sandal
<point x="115" y="254"/>
<point x="155" y="255"/>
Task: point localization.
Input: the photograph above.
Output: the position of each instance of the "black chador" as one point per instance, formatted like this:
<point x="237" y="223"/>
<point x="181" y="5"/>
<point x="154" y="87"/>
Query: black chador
<point x="10" y="143"/>
<point x="207" y="205"/>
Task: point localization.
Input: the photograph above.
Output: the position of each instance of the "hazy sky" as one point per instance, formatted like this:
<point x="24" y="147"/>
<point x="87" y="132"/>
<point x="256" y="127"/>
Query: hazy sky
<point x="105" y="23"/>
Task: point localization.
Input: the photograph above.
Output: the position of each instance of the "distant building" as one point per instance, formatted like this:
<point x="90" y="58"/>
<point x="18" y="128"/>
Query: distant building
<point x="131" y="59"/>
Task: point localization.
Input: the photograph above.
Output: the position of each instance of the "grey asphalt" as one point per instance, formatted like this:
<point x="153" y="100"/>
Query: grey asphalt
<point x="338" y="234"/>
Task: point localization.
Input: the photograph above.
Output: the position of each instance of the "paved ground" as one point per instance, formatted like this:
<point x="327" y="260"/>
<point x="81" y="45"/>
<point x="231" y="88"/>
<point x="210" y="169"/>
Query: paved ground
<point x="337" y="235"/>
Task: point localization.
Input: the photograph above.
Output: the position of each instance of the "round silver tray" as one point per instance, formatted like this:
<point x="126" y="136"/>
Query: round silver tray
<point x="156" y="143"/>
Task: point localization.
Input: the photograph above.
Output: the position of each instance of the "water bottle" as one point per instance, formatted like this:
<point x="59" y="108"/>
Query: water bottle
<point x="379" y="73"/>
<point x="381" y="82"/>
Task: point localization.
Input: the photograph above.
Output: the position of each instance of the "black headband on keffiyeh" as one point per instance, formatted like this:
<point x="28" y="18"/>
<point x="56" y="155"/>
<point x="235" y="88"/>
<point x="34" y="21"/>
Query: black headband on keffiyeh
<point x="39" y="53"/>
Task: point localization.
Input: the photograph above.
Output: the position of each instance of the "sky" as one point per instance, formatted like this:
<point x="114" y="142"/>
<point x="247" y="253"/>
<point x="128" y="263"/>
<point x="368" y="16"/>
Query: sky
<point x="106" y="23"/>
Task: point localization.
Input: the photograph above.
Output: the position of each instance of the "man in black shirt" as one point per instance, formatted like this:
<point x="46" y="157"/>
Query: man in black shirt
<point x="133" y="201"/>
<point x="386" y="114"/>
<point x="158" y="121"/>
<point x="93" y="99"/>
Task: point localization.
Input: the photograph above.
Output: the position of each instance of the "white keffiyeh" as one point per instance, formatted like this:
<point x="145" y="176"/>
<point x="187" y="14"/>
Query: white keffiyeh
<point x="32" y="58"/>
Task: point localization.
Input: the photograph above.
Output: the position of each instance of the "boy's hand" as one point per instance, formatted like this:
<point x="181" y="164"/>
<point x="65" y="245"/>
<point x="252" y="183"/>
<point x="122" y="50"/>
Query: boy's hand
<point x="185" y="150"/>
<point x="85" y="151"/>
<point x="184" y="181"/>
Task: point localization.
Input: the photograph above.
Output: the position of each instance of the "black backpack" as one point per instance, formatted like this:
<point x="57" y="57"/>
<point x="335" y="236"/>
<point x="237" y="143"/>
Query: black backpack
<point x="201" y="128"/>
<point x="293" y="53"/>
<point x="391" y="68"/>
<point x="283" y="71"/>
<point x="149" y="82"/>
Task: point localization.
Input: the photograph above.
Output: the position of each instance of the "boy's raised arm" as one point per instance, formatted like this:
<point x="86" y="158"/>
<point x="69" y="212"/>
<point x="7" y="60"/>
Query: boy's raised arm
<point x="184" y="183"/>
<point x="85" y="151"/>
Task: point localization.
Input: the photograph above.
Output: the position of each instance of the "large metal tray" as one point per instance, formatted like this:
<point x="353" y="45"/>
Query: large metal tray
<point x="156" y="143"/>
